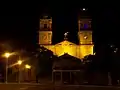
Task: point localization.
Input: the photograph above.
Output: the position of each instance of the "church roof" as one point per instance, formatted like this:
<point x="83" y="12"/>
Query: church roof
<point x="67" y="61"/>
<point x="67" y="56"/>
<point x="45" y="17"/>
<point x="65" y="42"/>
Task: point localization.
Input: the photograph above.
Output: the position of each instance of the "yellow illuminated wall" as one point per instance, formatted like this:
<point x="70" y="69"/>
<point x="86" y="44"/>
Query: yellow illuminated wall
<point x="78" y="51"/>
<point x="45" y="37"/>
<point x="85" y="37"/>
<point x="84" y="48"/>
<point x="48" y="23"/>
<point x="85" y="31"/>
<point x="45" y="32"/>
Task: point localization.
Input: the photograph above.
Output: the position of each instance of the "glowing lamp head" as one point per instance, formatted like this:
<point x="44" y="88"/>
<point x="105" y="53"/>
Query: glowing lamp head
<point x="7" y="55"/>
<point x="27" y="66"/>
<point x="83" y="9"/>
<point x="19" y="62"/>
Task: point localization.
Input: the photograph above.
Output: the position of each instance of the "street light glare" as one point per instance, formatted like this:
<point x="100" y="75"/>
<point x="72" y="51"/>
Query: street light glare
<point x="7" y="55"/>
<point x="84" y="9"/>
<point x="27" y="66"/>
<point x="19" y="62"/>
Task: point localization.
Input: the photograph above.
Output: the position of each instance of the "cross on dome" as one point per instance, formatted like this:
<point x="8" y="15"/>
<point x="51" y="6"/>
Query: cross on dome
<point x="65" y="35"/>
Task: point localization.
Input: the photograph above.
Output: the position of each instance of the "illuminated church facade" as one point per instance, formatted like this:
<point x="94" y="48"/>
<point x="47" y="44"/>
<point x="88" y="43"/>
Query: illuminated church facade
<point x="85" y="46"/>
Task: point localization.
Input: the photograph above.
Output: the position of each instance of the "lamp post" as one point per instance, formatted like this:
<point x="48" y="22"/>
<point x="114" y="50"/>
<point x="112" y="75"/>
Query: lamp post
<point x="28" y="67"/>
<point x="19" y="63"/>
<point x="7" y="55"/>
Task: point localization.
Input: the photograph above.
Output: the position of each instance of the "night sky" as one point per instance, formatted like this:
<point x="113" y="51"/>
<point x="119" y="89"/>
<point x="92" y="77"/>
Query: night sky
<point x="21" y="29"/>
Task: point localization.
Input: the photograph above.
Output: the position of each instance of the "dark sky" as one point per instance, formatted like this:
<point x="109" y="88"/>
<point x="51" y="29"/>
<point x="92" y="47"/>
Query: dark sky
<point x="22" y="28"/>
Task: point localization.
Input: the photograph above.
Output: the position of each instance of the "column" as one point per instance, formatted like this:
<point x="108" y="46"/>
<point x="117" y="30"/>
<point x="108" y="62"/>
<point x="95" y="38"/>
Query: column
<point x="109" y="79"/>
<point x="61" y="77"/>
<point x="78" y="25"/>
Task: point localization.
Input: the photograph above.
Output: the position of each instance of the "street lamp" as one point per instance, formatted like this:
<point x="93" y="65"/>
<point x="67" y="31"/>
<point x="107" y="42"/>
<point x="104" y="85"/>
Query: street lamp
<point x="7" y="55"/>
<point x="83" y="9"/>
<point x="19" y="63"/>
<point x="28" y="67"/>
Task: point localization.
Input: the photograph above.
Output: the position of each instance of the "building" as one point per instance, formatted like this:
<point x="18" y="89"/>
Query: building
<point x="85" y="46"/>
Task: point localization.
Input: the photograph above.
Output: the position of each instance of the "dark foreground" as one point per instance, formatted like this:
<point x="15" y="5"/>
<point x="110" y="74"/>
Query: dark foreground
<point x="26" y="86"/>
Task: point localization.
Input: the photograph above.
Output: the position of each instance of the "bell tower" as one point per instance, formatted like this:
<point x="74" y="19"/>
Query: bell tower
<point x="45" y="32"/>
<point x="84" y="29"/>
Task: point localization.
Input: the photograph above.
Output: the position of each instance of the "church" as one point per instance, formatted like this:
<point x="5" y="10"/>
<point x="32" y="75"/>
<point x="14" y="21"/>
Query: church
<point x="85" y="46"/>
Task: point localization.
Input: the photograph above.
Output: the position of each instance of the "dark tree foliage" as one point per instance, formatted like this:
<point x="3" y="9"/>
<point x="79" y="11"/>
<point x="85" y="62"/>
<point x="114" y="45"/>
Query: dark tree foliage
<point x="107" y="59"/>
<point x="44" y="62"/>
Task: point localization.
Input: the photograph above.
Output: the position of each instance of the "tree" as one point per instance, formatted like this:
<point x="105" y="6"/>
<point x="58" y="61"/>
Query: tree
<point x="44" y="66"/>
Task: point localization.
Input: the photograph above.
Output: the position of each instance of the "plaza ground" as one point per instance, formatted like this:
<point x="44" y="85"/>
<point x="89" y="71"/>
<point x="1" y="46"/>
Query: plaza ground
<point x="35" y="86"/>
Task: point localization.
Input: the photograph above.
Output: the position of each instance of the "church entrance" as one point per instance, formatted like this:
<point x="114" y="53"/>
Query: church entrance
<point x="65" y="77"/>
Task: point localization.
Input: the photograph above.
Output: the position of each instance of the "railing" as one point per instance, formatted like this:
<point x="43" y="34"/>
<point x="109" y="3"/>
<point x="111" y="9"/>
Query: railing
<point x="78" y="77"/>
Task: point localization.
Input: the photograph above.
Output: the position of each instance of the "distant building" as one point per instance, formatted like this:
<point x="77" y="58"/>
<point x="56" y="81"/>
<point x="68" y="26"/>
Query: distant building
<point x="84" y="47"/>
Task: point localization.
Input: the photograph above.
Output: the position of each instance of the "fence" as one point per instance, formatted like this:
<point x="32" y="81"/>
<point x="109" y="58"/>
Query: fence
<point x="77" y="77"/>
<point x="61" y="76"/>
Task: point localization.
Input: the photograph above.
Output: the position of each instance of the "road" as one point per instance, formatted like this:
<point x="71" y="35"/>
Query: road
<point x="69" y="88"/>
<point x="15" y="86"/>
<point x="34" y="88"/>
<point x="53" y="87"/>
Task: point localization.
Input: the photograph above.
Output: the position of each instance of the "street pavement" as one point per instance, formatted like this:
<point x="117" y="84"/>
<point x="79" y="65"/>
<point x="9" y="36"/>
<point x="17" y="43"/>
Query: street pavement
<point x="33" y="86"/>
<point x="25" y="86"/>
<point x="68" y="88"/>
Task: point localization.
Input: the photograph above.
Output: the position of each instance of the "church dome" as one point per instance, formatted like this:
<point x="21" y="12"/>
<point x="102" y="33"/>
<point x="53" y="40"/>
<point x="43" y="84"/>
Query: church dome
<point x="46" y="14"/>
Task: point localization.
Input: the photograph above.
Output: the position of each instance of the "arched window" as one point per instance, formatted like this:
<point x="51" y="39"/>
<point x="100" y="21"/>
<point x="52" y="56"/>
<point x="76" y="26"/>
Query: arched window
<point x="45" y="25"/>
<point x="86" y="26"/>
<point x="81" y="25"/>
<point x="89" y="24"/>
